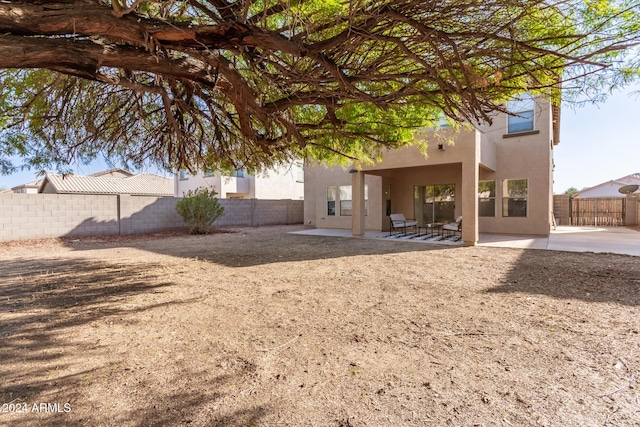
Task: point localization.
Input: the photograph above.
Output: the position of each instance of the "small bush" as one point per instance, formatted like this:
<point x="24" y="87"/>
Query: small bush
<point x="199" y="209"/>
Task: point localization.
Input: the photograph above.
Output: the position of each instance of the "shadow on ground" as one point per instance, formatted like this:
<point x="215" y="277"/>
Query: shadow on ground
<point x="596" y="280"/>
<point x="54" y="319"/>
<point x="252" y="247"/>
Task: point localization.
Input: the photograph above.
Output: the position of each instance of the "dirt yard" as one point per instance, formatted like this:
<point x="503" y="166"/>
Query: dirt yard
<point x="265" y="328"/>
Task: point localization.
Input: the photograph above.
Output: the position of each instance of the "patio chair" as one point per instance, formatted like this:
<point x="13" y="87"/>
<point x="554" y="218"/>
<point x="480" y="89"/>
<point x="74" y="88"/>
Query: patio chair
<point x="454" y="227"/>
<point x="399" y="222"/>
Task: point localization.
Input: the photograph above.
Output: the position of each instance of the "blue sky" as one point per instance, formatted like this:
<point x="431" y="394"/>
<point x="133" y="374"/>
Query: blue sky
<point x="8" y="181"/>
<point x="597" y="143"/>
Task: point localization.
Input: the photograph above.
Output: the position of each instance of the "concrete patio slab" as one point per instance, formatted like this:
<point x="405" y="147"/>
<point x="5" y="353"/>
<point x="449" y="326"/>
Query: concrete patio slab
<point x="617" y="240"/>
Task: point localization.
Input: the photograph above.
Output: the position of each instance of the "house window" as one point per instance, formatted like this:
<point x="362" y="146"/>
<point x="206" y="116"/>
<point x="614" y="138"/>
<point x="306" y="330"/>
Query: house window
<point x="238" y="173"/>
<point x="346" y="205"/>
<point x="342" y="197"/>
<point x="183" y="174"/>
<point x="387" y="199"/>
<point x="208" y="173"/>
<point x="521" y="112"/>
<point x="487" y="198"/>
<point x="299" y="172"/>
<point x="442" y="122"/>
<point x="514" y="197"/>
<point x="331" y="201"/>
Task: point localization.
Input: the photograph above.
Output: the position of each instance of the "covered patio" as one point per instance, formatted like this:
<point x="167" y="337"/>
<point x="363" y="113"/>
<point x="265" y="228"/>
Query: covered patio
<point x="436" y="190"/>
<point x="616" y="240"/>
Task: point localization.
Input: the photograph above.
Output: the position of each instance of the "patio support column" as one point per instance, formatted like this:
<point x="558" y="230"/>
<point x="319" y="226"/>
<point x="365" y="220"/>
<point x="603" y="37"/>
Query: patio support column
<point x="470" y="170"/>
<point x="357" y="196"/>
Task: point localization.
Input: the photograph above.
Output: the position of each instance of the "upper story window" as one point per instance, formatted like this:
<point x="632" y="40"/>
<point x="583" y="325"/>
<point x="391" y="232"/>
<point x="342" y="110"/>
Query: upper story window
<point x="299" y="172"/>
<point x="521" y="113"/>
<point x="444" y="122"/>
<point x="238" y="173"/>
<point x="183" y="174"/>
<point x="208" y="173"/>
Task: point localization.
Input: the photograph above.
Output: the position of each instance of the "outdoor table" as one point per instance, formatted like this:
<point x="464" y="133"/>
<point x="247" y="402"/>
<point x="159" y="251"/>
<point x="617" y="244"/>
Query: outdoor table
<point x="434" y="228"/>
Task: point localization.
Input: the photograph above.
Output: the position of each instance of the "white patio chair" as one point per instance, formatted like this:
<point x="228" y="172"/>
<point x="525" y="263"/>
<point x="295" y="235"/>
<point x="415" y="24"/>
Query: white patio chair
<point x="454" y="227"/>
<point x="399" y="222"/>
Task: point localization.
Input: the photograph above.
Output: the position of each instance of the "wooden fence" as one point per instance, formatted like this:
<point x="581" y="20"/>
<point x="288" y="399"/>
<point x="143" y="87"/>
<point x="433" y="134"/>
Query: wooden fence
<point x="598" y="212"/>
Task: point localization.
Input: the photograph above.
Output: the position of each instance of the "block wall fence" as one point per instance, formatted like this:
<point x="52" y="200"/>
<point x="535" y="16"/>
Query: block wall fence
<point x="561" y="209"/>
<point x="36" y="216"/>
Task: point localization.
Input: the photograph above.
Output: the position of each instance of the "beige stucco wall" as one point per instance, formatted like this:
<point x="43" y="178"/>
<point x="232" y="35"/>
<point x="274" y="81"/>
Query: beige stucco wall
<point x="514" y="157"/>
<point x="318" y="178"/>
<point x="526" y="156"/>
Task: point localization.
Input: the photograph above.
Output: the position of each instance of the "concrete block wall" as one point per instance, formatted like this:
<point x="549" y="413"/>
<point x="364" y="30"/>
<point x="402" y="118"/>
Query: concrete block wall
<point x="272" y="212"/>
<point x="257" y="212"/>
<point x="561" y="209"/>
<point x="35" y="216"/>
<point x="142" y="214"/>
<point x="32" y="216"/>
<point x="632" y="214"/>
<point x="237" y="212"/>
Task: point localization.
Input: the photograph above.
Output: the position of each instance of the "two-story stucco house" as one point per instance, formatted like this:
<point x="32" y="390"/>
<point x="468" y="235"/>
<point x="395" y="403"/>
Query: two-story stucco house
<point x="498" y="177"/>
<point x="282" y="183"/>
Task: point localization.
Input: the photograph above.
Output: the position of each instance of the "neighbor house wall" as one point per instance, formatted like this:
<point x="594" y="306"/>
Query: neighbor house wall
<point x="285" y="182"/>
<point x="193" y="182"/>
<point x="282" y="183"/>
<point x="35" y="216"/>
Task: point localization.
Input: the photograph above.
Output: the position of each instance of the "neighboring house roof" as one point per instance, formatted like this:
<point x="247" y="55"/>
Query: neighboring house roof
<point x="33" y="184"/>
<point x="114" y="173"/>
<point x="610" y="188"/>
<point x="144" y="184"/>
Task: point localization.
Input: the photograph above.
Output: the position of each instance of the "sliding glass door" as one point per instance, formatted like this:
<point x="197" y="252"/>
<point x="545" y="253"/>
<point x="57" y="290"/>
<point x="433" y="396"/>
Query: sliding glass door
<point x="434" y="203"/>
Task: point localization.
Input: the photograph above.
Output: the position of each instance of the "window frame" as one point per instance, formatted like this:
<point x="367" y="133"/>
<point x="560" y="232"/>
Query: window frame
<point x="435" y="202"/>
<point x="507" y="208"/>
<point x="183" y="174"/>
<point x="342" y="205"/>
<point x="516" y="110"/>
<point x="487" y="198"/>
<point x="332" y="197"/>
<point x="299" y="172"/>
<point x="348" y="201"/>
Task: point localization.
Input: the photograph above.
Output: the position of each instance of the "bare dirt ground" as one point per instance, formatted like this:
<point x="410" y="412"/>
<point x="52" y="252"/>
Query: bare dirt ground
<point x="265" y="328"/>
